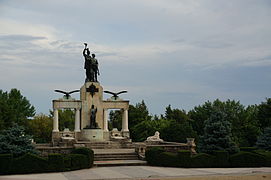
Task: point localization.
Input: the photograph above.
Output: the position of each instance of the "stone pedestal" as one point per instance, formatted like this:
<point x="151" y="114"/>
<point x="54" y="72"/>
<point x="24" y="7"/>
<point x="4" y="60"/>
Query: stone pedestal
<point x="91" y="93"/>
<point x="92" y="135"/>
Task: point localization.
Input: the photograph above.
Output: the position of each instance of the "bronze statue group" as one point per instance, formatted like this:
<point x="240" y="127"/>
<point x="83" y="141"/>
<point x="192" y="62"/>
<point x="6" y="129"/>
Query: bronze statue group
<point x="91" y="65"/>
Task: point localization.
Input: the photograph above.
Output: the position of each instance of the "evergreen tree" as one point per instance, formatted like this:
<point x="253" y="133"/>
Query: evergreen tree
<point x="14" y="141"/>
<point x="264" y="140"/>
<point x="264" y="115"/>
<point x="217" y="134"/>
<point x="14" y="108"/>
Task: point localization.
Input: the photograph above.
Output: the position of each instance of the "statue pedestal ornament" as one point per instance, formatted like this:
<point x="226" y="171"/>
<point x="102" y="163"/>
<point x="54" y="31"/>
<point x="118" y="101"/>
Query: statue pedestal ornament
<point x="92" y="135"/>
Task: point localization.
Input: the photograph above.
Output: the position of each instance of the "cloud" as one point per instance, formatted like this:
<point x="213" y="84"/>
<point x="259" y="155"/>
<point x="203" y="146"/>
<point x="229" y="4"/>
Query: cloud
<point x="162" y="51"/>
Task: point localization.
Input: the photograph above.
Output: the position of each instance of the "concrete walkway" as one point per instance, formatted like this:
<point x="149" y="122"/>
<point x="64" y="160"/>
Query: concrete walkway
<point x="138" y="172"/>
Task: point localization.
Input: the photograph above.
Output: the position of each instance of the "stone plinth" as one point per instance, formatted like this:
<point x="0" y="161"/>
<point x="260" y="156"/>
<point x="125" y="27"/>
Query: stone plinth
<point x="92" y="134"/>
<point x="91" y="93"/>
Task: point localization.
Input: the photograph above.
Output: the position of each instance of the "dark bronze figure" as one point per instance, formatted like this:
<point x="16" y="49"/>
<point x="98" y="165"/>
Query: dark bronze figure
<point x="93" y="124"/>
<point x="115" y="95"/>
<point x="91" y="65"/>
<point x="67" y="94"/>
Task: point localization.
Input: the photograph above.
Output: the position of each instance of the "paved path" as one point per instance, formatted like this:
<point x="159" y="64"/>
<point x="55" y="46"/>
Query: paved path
<point x="137" y="172"/>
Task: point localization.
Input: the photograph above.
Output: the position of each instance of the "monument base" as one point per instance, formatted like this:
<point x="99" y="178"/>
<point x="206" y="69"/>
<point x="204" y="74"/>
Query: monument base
<point x="92" y="135"/>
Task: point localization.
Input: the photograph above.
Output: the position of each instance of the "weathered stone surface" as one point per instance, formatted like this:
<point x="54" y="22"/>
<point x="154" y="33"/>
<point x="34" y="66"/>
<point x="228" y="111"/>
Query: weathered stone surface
<point x="92" y="135"/>
<point x="88" y="100"/>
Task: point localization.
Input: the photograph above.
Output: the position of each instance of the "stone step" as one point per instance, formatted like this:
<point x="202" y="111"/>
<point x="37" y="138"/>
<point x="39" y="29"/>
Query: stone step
<point x="120" y="163"/>
<point x="115" y="157"/>
<point x="113" y="151"/>
<point x="114" y="154"/>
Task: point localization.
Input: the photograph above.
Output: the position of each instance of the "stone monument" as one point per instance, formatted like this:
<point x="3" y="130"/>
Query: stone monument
<point x="91" y="111"/>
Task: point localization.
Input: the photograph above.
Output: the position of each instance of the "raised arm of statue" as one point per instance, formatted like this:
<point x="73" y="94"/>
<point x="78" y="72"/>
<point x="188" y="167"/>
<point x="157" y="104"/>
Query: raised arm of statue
<point x="85" y="49"/>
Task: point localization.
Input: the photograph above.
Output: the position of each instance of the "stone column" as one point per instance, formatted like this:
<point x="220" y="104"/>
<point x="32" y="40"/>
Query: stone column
<point x="105" y="120"/>
<point x="55" y="123"/>
<point x="125" y="120"/>
<point x="77" y="120"/>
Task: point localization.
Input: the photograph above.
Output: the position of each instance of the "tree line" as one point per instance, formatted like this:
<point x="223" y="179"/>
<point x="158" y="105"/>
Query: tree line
<point x="239" y="125"/>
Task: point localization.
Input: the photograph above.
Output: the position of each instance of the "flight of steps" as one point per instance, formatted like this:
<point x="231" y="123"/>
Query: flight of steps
<point x="105" y="145"/>
<point x="116" y="157"/>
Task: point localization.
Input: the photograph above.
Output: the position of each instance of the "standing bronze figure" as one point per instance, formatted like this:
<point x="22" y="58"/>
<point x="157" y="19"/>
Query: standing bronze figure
<point x="91" y="65"/>
<point x="93" y="124"/>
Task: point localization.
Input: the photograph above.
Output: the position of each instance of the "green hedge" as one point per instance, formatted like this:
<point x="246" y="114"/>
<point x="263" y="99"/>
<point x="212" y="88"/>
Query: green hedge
<point x="78" y="161"/>
<point x="267" y="155"/>
<point x="247" y="159"/>
<point x="158" y="157"/>
<point x="184" y="158"/>
<point x="248" y="149"/>
<point x="221" y="159"/>
<point x="202" y="160"/>
<point x="5" y="163"/>
<point x="67" y="162"/>
<point x="56" y="162"/>
<point x="168" y="159"/>
<point x="152" y="155"/>
<point x="29" y="163"/>
<point x="88" y="153"/>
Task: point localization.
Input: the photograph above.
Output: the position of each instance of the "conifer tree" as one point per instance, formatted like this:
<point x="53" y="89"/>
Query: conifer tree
<point x="264" y="140"/>
<point x="217" y="134"/>
<point x="14" y="141"/>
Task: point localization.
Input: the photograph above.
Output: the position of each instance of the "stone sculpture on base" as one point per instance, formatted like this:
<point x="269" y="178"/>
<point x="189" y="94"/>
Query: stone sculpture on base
<point x="155" y="138"/>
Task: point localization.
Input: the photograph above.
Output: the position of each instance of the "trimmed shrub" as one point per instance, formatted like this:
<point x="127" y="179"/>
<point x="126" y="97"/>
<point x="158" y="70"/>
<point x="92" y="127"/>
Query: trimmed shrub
<point x="248" y="149"/>
<point x="247" y="159"/>
<point x="168" y="159"/>
<point x="5" y="163"/>
<point x="56" y="162"/>
<point x="184" y="158"/>
<point x="202" y="160"/>
<point x="29" y="163"/>
<point x="88" y="153"/>
<point x="78" y="161"/>
<point x="153" y="156"/>
<point x="67" y="161"/>
<point x="267" y="155"/>
<point x="221" y="158"/>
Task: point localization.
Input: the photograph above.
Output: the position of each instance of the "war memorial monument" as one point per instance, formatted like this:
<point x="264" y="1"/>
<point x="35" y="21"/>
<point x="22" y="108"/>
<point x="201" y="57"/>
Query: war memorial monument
<point x="91" y="121"/>
<point x="91" y="111"/>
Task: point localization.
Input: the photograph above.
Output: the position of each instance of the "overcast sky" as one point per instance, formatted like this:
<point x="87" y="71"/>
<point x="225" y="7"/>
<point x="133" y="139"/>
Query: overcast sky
<point x="178" y="52"/>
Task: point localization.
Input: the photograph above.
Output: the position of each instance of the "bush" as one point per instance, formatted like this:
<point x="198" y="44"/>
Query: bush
<point x="248" y="149"/>
<point x="15" y="141"/>
<point x="267" y="155"/>
<point x="152" y="156"/>
<point x="202" y="160"/>
<point x="78" y="161"/>
<point x="88" y="153"/>
<point x="5" y="163"/>
<point x="184" y="158"/>
<point x="168" y="159"/>
<point x="29" y="163"/>
<point x="56" y="162"/>
<point x="247" y="159"/>
<point x="221" y="159"/>
<point x="67" y="161"/>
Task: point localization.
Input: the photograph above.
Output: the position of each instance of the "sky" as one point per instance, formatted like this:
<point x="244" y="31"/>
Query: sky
<point x="177" y="52"/>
